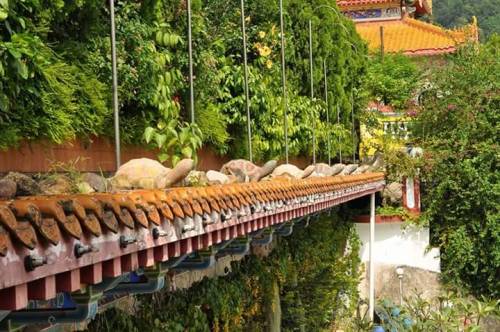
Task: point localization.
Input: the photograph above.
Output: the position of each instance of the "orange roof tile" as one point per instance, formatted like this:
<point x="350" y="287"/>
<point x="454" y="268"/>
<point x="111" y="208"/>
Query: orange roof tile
<point x="413" y="37"/>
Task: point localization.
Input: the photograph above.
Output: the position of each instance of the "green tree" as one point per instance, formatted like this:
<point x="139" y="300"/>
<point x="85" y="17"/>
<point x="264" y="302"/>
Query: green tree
<point x="392" y="80"/>
<point x="459" y="131"/>
<point x="457" y="13"/>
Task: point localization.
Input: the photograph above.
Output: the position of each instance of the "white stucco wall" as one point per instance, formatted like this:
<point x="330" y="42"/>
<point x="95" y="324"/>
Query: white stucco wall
<point x="395" y="246"/>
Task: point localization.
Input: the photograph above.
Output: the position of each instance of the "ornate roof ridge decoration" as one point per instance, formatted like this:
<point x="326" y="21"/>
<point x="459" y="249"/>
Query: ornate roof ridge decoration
<point x="424" y="6"/>
<point x="354" y="4"/>
<point x="413" y="37"/>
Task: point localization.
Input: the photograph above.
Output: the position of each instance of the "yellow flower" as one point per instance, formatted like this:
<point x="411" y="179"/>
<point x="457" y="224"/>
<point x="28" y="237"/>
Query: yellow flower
<point x="264" y="51"/>
<point x="262" y="34"/>
<point x="269" y="64"/>
<point x="273" y="30"/>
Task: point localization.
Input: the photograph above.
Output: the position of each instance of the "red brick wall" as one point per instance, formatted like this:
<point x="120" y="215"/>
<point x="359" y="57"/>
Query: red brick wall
<point x="93" y="156"/>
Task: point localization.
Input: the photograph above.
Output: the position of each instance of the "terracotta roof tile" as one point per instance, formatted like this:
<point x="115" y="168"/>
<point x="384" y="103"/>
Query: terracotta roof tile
<point x="46" y="236"/>
<point x="413" y="37"/>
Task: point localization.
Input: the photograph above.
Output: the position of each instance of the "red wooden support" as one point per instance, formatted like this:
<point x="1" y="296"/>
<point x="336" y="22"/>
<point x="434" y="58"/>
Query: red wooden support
<point x="91" y="274"/>
<point x="112" y="268"/>
<point x="68" y="281"/>
<point x="14" y="298"/>
<point x="146" y="257"/>
<point x="130" y="262"/>
<point x="161" y="253"/>
<point x="42" y="289"/>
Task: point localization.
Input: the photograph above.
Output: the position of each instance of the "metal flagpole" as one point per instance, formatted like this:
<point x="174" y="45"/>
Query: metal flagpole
<point x="190" y="51"/>
<point x="327" y="113"/>
<point x="353" y="128"/>
<point x="283" y="79"/>
<point x="245" y="68"/>
<point x="115" y="85"/>
<point x="312" y="90"/>
<point x="371" y="302"/>
<point x="340" y="139"/>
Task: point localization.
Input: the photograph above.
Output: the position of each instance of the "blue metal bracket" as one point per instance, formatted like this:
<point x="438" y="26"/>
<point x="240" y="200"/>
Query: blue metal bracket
<point x="199" y="260"/>
<point x="285" y="229"/>
<point x="86" y="305"/>
<point x="264" y="237"/>
<point x="238" y="246"/>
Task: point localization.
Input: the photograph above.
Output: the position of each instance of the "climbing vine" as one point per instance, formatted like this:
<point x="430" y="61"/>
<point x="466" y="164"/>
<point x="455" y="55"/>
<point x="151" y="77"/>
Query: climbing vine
<point x="315" y="272"/>
<point x="55" y="74"/>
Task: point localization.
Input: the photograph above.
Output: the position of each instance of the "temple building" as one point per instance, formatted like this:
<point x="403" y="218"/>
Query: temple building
<point x="396" y="26"/>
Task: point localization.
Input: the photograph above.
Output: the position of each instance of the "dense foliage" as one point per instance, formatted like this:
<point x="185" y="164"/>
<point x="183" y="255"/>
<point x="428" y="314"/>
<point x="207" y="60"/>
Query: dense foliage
<point x="457" y="13"/>
<point x="313" y="271"/>
<point x="459" y="131"/>
<point x="55" y="73"/>
<point x="448" y="312"/>
<point x="393" y="80"/>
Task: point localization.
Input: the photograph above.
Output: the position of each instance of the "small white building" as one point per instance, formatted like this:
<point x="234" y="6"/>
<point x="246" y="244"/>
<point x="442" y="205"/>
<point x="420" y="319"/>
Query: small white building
<point x="398" y="246"/>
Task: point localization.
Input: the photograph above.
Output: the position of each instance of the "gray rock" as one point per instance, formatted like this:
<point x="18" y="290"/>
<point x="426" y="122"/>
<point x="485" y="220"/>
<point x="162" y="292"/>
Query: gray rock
<point x="349" y="169"/>
<point x="337" y="168"/>
<point x="178" y="173"/>
<point x="246" y="171"/>
<point x="393" y="192"/>
<point x="288" y="170"/>
<point x="308" y="171"/>
<point x="150" y="174"/>
<point x="196" y="179"/>
<point x="97" y="182"/>
<point x="377" y="163"/>
<point x="322" y="169"/>
<point x="57" y="184"/>
<point x="8" y="189"/>
<point x="26" y="186"/>
<point x="84" y="188"/>
<point x="215" y="177"/>
<point x="361" y="169"/>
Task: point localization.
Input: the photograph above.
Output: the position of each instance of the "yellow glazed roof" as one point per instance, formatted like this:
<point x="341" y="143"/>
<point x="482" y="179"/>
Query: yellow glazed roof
<point x="413" y="37"/>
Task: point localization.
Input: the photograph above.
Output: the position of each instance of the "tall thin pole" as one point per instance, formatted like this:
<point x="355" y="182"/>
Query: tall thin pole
<point x="190" y="51"/>
<point x="327" y="113"/>
<point x="382" y="46"/>
<point x="245" y="68"/>
<point x="340" y="139"/>
<point x="312" y="90"/>
<point x="371" y="302"/>
<point x="283" y="79"/>
<point x="353" y="127"/>
<point x="115" y="85"/>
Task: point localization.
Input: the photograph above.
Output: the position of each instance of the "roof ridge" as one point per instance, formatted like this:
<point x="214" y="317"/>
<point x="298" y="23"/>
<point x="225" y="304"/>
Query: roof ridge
<point x="424" y="25"/>
<point x="458" y="35"/>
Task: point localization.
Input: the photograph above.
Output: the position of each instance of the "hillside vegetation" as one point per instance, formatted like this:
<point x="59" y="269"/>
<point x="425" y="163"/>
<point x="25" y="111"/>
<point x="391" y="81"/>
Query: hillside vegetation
<point x="456" y="13"/>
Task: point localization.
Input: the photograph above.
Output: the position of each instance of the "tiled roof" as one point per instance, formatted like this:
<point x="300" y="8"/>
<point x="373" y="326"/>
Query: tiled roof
<point x="385" y="109"/>
<point x="413" y="37"/>
<point x="63" y="242"/>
